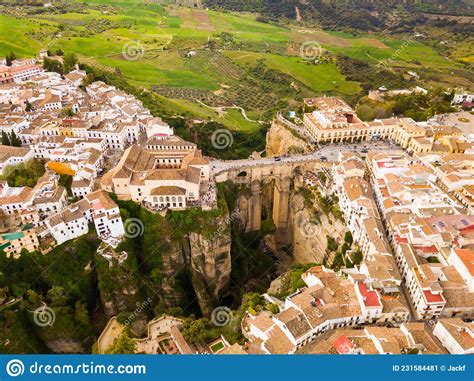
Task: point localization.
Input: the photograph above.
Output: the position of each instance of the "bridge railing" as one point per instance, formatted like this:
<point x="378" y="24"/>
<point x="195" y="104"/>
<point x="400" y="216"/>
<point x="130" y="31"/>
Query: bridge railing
<point x="272" y="164"/>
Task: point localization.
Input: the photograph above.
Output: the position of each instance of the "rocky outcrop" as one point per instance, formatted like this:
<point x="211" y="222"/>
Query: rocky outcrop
<point x="201" y="257"/>
<point x="309" y="231"/>
<point x="66" y="346"/>
<point x="280" y="284"/>
<point x="174" y="260"/>
<point x="281" y="140"/>
<point x="243" y="205"/>
<point x="118" y="286"/>
<point x="210" y="264"/>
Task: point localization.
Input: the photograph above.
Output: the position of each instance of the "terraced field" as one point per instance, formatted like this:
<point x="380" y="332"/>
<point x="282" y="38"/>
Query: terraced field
<point x="195" y="56"/>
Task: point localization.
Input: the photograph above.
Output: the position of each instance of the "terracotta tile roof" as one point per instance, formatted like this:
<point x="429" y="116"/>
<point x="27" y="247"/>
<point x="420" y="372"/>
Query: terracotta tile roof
<point x="370" y="297"/>
<point x="168" y="191"/>
<point x="343" y="345"/>
<point x="467" y="258"/>
<point x="277" y="342"/>
<point x="462" y="332"/>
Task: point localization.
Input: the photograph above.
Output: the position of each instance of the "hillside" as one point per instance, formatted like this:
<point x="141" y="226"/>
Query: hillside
<point x="237" y="69"/>
<point x="359" y="14"/>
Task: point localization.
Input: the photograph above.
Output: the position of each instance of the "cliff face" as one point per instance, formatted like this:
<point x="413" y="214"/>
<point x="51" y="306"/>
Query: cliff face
<point x="281" y="140"/>
<point x="66" y="346"/>
<point x="211" y="266"/>
<point x="308" y="225"/>
<point x="175" y="260"/>
<point x="309" y="234"/>
<point x="205" y="259"/>
<point x="243" y="204"/>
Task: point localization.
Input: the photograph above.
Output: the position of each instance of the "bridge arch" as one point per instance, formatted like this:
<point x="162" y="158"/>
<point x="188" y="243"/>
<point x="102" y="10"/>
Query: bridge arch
<point x="256" y="176"/>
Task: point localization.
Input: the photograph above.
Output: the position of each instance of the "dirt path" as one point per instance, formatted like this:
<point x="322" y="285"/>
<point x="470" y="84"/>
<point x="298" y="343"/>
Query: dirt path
<point x="221" y="111"/>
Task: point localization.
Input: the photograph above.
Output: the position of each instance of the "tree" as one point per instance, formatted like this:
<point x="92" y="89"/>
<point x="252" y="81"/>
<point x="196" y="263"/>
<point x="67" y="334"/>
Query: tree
<point x="10" y="57"/>
<point x="332" y="244"/>
<point x="57" y="297"/>
<point x="199" y="331"/>
<point x="59" y="52"/>
<point x="124" y="345"/>
<point x="23" y="175"/>
<point x="52" y="65"/>
<point x="5" y="139"/>
<point x="365" y="112"/>
<point x="67" y="111"/>
<point x="338" y="262"/>
<point x="273" y="308"/>
<point x="14" y="141"/>
<point x="348" y="238"/>
<point x="357" y="257"/>
<point x="90" y="78"/>
<point x="81" y="314"/>
<point x="69" y="61"/>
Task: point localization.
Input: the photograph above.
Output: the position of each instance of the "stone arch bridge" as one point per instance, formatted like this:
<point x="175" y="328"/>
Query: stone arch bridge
<point x="255" y="174"/>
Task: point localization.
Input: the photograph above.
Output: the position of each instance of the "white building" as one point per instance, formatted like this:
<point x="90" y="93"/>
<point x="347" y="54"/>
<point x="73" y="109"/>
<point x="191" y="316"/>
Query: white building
<point x="13" y="156"/>
<point x="462" y="98"/>
<point x="24" y="72"/>
<point x="106" y="215"/>
<point x="328" y="302"/>
<point x="455" y="335"/>
<point x="168" y="173"/>
<point x="463" y="261"/>
<point x="69" y="224"/>
<point x="97" y="208"/>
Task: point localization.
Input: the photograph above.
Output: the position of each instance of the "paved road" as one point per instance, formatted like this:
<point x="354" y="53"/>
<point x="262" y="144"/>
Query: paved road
<point x="219" y="165"/>
<point x="329" y="153"/>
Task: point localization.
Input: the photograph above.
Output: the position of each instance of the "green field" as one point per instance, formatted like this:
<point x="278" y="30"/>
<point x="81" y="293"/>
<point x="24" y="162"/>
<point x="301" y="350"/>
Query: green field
<point x="322" y="77"/>
<point x="253" y="65"/>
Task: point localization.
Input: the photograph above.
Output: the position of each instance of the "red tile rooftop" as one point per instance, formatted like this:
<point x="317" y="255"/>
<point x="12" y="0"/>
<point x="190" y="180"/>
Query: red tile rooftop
<point x="433" y="298"/>
<point x="427" y="249"/>
<point x="399" y="239"/>
<point x="467" y="228"/>
<point x="467" y="258"/>
<point x="370" y="297"/>
<point x="21" y="68"/>
<point x="343" y="345"/>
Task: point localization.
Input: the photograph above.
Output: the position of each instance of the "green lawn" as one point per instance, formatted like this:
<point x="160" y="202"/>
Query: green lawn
<point x="13" y="36"/>
<point x="146" y="73"/>
<point x="217" y="347"/>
